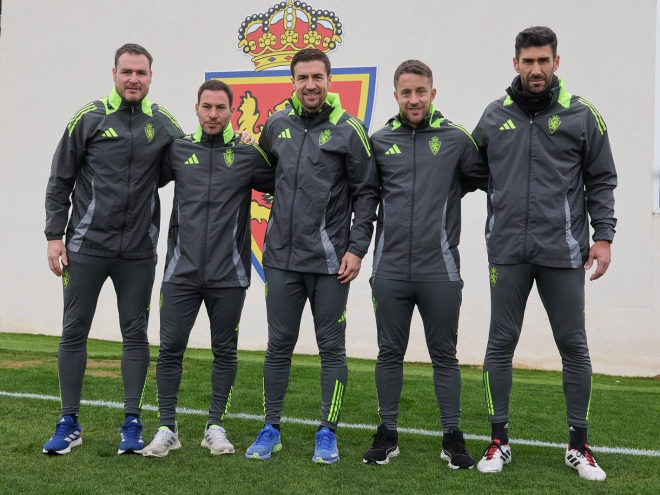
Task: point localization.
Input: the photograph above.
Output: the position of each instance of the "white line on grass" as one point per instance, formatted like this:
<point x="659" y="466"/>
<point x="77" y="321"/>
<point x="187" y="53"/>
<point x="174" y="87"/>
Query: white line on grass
<point x="355" y="426"/>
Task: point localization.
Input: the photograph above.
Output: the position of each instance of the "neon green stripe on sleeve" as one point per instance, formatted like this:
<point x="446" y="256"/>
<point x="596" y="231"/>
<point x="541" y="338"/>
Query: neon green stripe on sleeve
<point x="365" y="142"/>
<point x="459" y="126"/>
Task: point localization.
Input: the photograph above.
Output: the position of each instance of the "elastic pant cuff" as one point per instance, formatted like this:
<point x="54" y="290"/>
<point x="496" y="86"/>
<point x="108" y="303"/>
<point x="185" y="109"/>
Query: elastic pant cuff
<point x="578" y="423"/>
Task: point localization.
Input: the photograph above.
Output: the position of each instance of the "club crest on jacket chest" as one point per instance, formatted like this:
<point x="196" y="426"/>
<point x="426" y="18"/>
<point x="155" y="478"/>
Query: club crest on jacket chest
<point x="229" y="157"/>
<point x="553" y="123"/>
<point x="325" y="137"/>
<point x="434" y="144"/>
<point x="149" y="131"/>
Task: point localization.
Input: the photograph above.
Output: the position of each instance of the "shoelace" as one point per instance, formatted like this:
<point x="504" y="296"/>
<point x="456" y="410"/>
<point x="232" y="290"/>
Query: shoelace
<point x="491" y="449"/>
<point x="457" y="445"/>
<point x="263" y="438"/>
<point x="217" y="434"/>
<point x="132" y="430"/>
<point x="380" y="440"/>
<point x="324" y="441"/>
<point x="588" y="455"/>
<point x="63" y="429"/>
<point x="161" y="436"/>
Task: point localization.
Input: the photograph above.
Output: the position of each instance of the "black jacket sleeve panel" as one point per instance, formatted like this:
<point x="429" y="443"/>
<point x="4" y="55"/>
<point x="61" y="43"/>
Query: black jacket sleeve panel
<point x="169" y="123"/>
<point x="263" y="176"/>
<point x="166" y="169"/>
<point x="364" y="185"/>
<point x="264" y="144"/>
<point x="474" y="171"/>
<point x="479" y="138"/>
<point x="174" y="132"/>
<point x="600" y="178"/>
<point x="69" y="157"/>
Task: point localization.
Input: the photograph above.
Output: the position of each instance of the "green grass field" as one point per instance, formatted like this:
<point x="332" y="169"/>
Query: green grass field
<point x="625" y="413"/>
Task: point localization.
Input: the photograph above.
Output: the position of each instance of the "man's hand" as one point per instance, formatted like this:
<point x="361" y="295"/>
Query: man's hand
<point x="56" y="250"/>
<point x="246" y="137"/>
<point x="601" y="252"/>
<point x="350" y="268"/>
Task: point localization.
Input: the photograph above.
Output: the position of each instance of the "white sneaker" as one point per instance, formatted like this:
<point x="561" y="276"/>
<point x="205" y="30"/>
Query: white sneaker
<point x="215" y="439"/>
<point x="495" y="457"/>
<point x="164" y="441"/>
<point x="584" y="462"/>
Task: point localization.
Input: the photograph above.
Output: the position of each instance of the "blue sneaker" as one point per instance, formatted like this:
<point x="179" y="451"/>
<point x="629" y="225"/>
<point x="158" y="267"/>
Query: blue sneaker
<point x="325" y="451"/>
<point x="267" y="442"/>
<point x="131" y="436"/>
<point x="67" y="435"/>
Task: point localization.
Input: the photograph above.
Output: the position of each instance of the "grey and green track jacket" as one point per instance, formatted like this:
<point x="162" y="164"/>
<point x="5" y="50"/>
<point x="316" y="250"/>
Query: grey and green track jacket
<point x="547" y="172"/>
<point x="209" y="243"/>
<point x="110" y="152"/>
<point x="325" y="172"/>
<point x="424" y="173"/>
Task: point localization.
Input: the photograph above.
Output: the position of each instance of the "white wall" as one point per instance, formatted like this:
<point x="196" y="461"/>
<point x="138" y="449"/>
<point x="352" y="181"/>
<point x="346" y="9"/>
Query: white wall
<point x="56" y="56"/>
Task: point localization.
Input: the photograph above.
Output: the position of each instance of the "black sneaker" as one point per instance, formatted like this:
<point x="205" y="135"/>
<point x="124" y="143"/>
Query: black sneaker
<point x="454" y="451"/>
<point x="383" y="448"/>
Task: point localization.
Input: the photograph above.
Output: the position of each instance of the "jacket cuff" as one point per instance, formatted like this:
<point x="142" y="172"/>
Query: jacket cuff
<point x="604" y="234"/>
<point x="357" y="252"/>
<point x="51" y="237"/>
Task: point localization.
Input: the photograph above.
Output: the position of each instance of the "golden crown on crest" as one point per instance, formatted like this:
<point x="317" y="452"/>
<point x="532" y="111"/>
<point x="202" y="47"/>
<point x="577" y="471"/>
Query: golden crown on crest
<point x="273" y="38"/>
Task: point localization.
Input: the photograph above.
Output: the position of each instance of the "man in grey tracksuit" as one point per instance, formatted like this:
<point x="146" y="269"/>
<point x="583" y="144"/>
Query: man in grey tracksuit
<point x="426" y="163"/>
<point x="106" y="165"/>
<point x="325" y="174"/>
<point x="551" y="169"/>
<point x="208" y="258"/>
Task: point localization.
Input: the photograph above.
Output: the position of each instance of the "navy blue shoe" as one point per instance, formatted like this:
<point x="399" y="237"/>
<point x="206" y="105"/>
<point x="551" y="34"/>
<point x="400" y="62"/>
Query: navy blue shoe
<point x="325" y="450"/>
<point x="67" y="435"/>
<point x="131" y="436"/>
<point x="268" y="441"/>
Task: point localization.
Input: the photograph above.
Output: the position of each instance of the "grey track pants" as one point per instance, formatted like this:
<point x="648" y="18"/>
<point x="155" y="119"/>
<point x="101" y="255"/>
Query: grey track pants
<point x="562" y="294"/>
<point x="82" y="281"/>
<point x="439" y="305"/>
<point x="180" y="305"/>
<point x="286" y="294"/>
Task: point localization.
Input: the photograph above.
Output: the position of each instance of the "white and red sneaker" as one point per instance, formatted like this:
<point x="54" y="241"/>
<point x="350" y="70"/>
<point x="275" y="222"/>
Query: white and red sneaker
<point x="495" y="457"/>
<point x="584" y="462"/>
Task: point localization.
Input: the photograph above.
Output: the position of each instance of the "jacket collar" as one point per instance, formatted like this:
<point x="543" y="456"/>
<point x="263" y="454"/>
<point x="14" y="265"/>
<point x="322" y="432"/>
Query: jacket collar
<point x="433" y="119"/>
<point x="114" y="103"/>
<point x="560" y="95"/>
<point x="331" y="108"/>
<point x="224" y="137"/>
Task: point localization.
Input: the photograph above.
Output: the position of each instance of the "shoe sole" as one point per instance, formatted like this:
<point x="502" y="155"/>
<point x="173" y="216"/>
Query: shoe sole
<point x="75" y="443"/>
<point x="374" y="462"/>
<point x="446" y="457"/>
<point x="228" y="450"/>
<point x="320" y="460"/>
<point x="148" y="453"/>
<point x="276" y="448"/>
<point x="130" y="451"/>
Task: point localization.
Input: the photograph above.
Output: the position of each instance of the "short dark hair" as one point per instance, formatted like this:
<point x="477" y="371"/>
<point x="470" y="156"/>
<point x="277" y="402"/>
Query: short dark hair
<point x="413" y="67"/>
<point x="216" y="85"/>
<point x="536" y="36"/>
<point x="308" y="55"/>
<point x="134" y="49"/>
